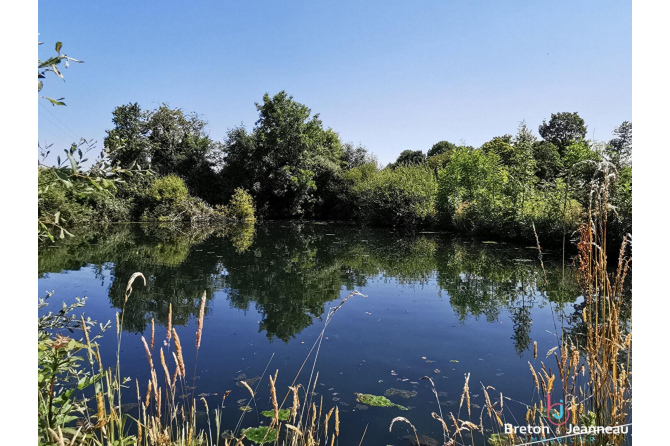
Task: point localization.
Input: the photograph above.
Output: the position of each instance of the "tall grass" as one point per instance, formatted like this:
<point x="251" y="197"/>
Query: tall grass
<point x="161" y="418"/>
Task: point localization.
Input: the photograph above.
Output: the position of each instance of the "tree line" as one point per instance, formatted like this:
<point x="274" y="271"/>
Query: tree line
<point x="163" y="165"/>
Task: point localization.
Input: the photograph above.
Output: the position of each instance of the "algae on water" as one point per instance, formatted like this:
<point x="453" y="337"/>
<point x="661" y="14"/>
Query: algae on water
<point x="284" y="414"/>
<point x="377" y="401"/>
<point x="261" y="434"/>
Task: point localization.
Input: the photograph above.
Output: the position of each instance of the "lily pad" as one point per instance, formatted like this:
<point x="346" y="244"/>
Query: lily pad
<point x="284" y="414"/>
<point x="261" y="434"/>
<point x="401" y="393"/>
<point x="377" y="401"/>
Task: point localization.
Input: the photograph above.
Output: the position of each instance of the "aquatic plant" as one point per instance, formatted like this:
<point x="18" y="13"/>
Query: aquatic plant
<point x="377" y="401"/>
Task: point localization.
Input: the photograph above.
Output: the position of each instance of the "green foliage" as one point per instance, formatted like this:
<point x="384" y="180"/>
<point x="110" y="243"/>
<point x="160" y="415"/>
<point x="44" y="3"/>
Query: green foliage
<point x="403" y="196"/>
<point x="261" y="434"/>
<point x="547" y="159"/>
<point x="377" y="401"/>
<point x="284" y="414"/>
<point x="620" y="148"/>
<point x="286" y="161"/>
<point x="410" y="157"/>
<point x="170" y="189"/>
<point x="563" y="129"/>
<point x="165" y="141"/>
<point x="240" y="208"/>
<point x="441" y="148"/>
<point x="51" y="65"/>
<point x="62" y="375"/>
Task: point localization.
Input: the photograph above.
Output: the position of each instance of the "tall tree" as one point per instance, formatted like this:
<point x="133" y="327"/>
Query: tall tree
<point x="620" y="148"/>
<point x="410" y="157"/>
<point x="441" y="147"/>
<point x="284" y="159"/>
<point x="563" y="129"/>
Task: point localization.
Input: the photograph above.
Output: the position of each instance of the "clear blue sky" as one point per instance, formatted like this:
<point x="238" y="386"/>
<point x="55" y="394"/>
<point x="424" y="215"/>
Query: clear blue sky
<point x="391" y="75"/>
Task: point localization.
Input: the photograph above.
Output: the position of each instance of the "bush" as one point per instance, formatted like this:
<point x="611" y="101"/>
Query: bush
<point x="240" y="208"/>
<point x="403" y="196"/>
<point x="169" y="188"/>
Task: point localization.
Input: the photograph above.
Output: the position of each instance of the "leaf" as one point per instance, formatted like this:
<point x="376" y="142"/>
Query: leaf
<point x="39" y="86"/>
<point x="54" y="101"/>
<point x="96" y="185"/>
<point x="73" y="162"/>
<point x="58" y="73"/>
<point x="56" y="217"/>
<point x="59" y="45"/>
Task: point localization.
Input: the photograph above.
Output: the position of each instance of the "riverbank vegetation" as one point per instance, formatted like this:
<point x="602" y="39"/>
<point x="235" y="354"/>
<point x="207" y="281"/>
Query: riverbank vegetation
<point x="162" y="165"/>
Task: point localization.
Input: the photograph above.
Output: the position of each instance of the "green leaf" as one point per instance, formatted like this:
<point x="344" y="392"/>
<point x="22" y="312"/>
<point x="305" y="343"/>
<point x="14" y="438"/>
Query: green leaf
<point x="54" y="101"/>
<point x="59" y="45"/>
<point x="39" y="86"/>
<point x="73" y="162"/>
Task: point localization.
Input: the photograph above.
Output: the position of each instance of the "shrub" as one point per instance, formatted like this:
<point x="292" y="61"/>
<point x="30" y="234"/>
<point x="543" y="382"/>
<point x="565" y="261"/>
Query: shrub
<point x="240" y="208"/>
<point x="403" y="196"/>
<point x="169" y="188"/>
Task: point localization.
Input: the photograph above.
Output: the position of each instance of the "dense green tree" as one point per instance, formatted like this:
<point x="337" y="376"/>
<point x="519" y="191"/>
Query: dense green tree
<point x="127" y="143"/>
<point x="355" y="156"/>
<point x="501" y="146"/>
<point x="547" y="160"/>
<point x="620" y="148"/>
<point x="410" y="157"/>
<point x="165" y="141"/>
<point x="441" y="147"/>
<point x="563" y="129"/>
<point x="285" y="159"/>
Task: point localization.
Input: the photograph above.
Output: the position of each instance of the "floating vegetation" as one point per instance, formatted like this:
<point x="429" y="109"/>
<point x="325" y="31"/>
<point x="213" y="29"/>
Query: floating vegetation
<point x="261" y="434"/>
<point x="401" y="393"/>
<point x="246" y="408"/>
<point x="436" y="371"/>
<point x="454" y="360"/>
<point x="377" y="401"/>
<point x="500" y="440"/>
<point x="284" y="414"/>
<point x="360" y="407"/>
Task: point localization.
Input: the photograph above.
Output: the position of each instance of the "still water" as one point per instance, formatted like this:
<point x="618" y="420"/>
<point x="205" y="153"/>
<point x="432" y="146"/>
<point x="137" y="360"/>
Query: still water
<point x="436" y="306"/>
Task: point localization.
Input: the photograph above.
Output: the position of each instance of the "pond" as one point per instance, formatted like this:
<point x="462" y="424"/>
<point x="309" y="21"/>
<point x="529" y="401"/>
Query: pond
<point x="435" y="306"/>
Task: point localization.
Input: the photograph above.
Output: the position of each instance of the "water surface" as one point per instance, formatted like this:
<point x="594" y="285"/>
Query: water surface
<point x="436" y="306"/>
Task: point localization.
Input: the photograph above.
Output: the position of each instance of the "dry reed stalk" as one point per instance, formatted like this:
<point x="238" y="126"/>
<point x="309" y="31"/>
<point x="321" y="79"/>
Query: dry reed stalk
<point x="535" y="350"/>
<point x="273" y="393"/>
<point x="466" y="393"/>
<point x="176" y="370"/>
<point x="244" y="383"/>
<point x="180" y="357"/>
<point x="296" y="403"/>
<point x="148" y="397"/>
<point x="146" y="349"/>
<point x="152" y="334"/>
<point x="337" y="421"/>
<point x="444" y="425"/>
<point x="166" y="371"/>
<point x="201" y="318"/>
<point x="363" y="437"/>
<point x="405" y="420"/>
<point x="129" y="286"/>
<point x="169" y="326"/>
